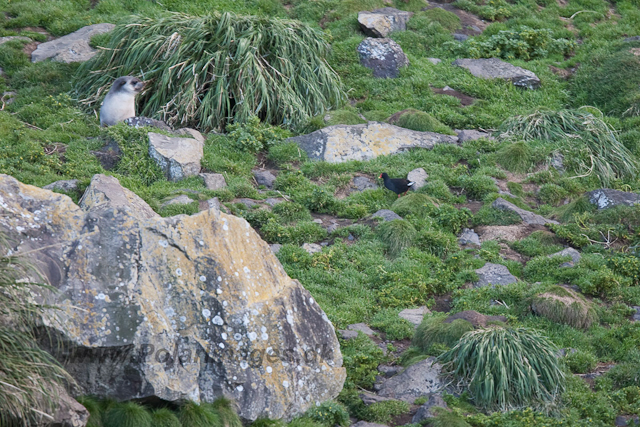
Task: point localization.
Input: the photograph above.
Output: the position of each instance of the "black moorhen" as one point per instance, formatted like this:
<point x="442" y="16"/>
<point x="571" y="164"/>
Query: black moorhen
<point x="397" y="185"/>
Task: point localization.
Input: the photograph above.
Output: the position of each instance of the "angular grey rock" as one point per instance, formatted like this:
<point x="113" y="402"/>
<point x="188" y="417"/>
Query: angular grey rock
<point x="146" y="307"/>
<point x="416" y="381"/>
<point x="428" y="409"/>
<point x="178" y="200"/>
<point x="248" y="203"/>
<point x="381" y="22"/>
<point x="419" y="176"/>
<point x="341" y="143"/>
<point x="332" y="227"/>
<point x="460" y="37"/>
<point x="106" y="193"/>
<point x="190" y="133"/>
<point x="494" y="68"/>
<point x="272" y="202"/>
<point x="493" y="274"/>
<point x="139" y="121"/>
<point x="3" y="40"/>
<point x="469" y="237"/>
<point x="275" y="248"/>
<point x="109" y="155"/>
<point x="386" y="215"/>
<point x="215" y="205"/>
<point x="312" y="248"/>
<point x="213" y="181"/>
<point x="69" y="412"/>
<point x="557" y="161"/>
<point x="9" y="97"/>
<point x="472" y="135"/>
<point x="574" y="254"/>
<point x="317" y="221"/>
<point x="434" y="61"/>
<point x="527" y="217"/>
<point x="389" y="371"/>
<point x="371" y="398"/>
<point x="362" y="327"/>
<point x="605" y="198"/>
<point x="348" y="335"/>
<point x="64" y="185"/>
<point x="265" y="178"/>
<point x="632" y="39"/>
<point x="384" y="56"/>
<point x="179" y="158"/>
<point x="414" y="315"/>
<point x="73" y="47"/>
<point x="361" y="183"/>
<point x="448" y="88"/>
<point x="636" y="315"/>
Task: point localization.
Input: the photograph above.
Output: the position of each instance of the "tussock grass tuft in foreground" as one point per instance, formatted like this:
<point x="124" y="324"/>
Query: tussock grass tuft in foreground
<point x="433" y="331"/>
<point x="397" y="235"/>
<point x="127" y="414"/>
<point x="212" y="70"/>
<point x="195" y="415"/>
<point x="591" y="144"/>
<point x="506" y="368"/>
<point x="164" y="418"/>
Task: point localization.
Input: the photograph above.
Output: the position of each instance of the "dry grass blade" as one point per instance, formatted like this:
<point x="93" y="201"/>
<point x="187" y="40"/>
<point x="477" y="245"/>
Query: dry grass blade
<point x="212" y="70"/>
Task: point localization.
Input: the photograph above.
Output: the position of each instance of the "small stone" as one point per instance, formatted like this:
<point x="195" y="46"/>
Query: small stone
<point x="494" y="274"/>
<point x="384" y="56"/>
<point x="460" y="37"/>
<point x="64" y="185"/>
<point x="469" y="237"/>
<point x="527" y="217"/>
<point x="426" y="411"/>
<point x="348" y="335"/>
<point x="215" y="204"/>
<point x="386" y="215"/>
<point x="317" y="221"/>
<point x="414" y="315"/>
<point x="417" y="380"/>
<point x="419" y="176"/>
<point x="190" y="133"/>
<point x="272" y="202"/>
<point x="73" y="47"/>
<point x="350" y="237"/>
<point x="179" y="158"/>
<point x="632" y="39"/>
<point x="265" y="178"/>
<point x="362" y="327"/>
<point x="109" y="155"/>
<point x="275" y="248"/>
<point x="324" y="243"/>
<point x="448" y="88"/>
<point x="332" y="227"/>
<point x="180" y="200"/>
<point x="367" y="424"/>
<point x="213" y="181"/>
<point x="574" y="254"/>
<point x="636" y="315"/>
<point x="312" y="248"/>
<point x="434" y="61"/>
<point x="557" y="161"/>
<point x="248" y="203"/>
<point x="389" y="371"/>
<point x="139" y="121"/>
<point x="371" y="398"/>
<point x="9" y="97"/>
<point x="361" y="183"/>
<point x="381" y="22"/>
<point x="472" y="135"/>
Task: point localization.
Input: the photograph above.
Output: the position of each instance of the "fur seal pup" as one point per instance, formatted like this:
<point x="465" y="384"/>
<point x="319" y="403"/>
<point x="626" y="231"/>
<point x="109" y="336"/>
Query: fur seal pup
<point x="119" y="104"/>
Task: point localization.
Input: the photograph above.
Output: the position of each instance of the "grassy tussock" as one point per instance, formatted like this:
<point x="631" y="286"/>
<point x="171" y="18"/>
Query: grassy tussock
<point x="215" y="69"/>
<point x="433" y="331"/>
<point x="397" y="235"/>
<point x="593" y="145"/>
<point x="506" y="368"/>
<point x="564" y="306"/>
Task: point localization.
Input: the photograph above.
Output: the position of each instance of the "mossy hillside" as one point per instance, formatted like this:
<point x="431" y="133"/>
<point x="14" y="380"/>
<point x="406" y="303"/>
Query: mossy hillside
<point x="358" y="277"/>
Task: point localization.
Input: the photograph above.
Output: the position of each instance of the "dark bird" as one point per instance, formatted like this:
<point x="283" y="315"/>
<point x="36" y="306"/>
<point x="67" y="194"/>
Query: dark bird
<point x="397" y="185"/>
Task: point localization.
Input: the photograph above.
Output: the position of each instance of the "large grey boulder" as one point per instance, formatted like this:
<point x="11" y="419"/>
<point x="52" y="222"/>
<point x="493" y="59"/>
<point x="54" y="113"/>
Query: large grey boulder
<point x="494" y="274"/>
<point x="527" y="217"/>
<point x="381" y="22"/>
<point x="419" y="176"/>
<point x="384" y="56"/>
<point x="574" y="254"/>
<point x="416" y="381"/>
<point x="605" y="198"/>
<point x="187" y="307"/>
<point x="494" y="68"/>
<point x="179" y="158"/>
<point x="73" y="47"/>
<point x="342" y="143"/>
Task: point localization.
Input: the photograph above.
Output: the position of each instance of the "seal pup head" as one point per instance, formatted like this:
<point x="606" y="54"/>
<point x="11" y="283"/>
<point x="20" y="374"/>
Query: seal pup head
<point x="119" y="104"/>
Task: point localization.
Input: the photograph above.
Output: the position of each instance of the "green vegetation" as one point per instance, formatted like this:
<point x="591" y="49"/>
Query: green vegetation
<point x="432" y="332"/>
<point x="298" y="85"/>
<point x="420" y="121"/>
<point x="564" y="306"/>
<point x="506" y="368"/>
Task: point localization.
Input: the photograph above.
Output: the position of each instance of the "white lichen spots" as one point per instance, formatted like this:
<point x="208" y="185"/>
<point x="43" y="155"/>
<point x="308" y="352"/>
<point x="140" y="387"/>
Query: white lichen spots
<point x="239" y="388"/>
<point x="247" y="234"/>
<point x="219" y="279"/>
<point x="246" y="270"/>
<point x="289" y="317"/>
<point x="183" y="319"/>
<point x="264" y="336"/>
<point x="201" y="242"/>
<point x="317" y="370"/>
<point x="257" y="294"/>
<point x="269" y="350"/>
<point x="218" y="321"/>
<point x="221" y="345"/>
<point x="100" y="296"/>
<point x="163" y="243"/>
<point x="19" y="229"/>
<point x="235" y="378"/>
<point x="244" y="294"/>
<point x="269" y="369"/>
<point x="178" y="272"/>
<point x="311" y="300"/>
<point x="218" y="291"/>
<point x="201" y="293"/>
<point x="244" y="364"/>
<point x="252" y="336"/>
<point x="300" y="383"/>
<point x="324" y="368"/>
<point x="225" y="225"/>
<point x="237" y="337"/>
<point x="206" y="313"/>
<point x="203" y="278"/>
<point x="236" y="273"/>
<point x="285" y="383"/>
<point x="224" y="335"/>
<point x="255" y="312"/>
<point x="299" y="368"/>
<point x="79" y="247"/>
<point x="263" y="329"/>
<point x="224" y="303"/>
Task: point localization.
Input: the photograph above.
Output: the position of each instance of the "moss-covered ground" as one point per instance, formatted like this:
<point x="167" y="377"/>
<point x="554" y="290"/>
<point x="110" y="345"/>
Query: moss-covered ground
<point x="370" y="272"/>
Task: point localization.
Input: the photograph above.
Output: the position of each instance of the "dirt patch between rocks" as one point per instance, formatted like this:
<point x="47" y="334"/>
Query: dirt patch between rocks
<point x="474" y="207"/>
<point x="465" y="100"/>
<point x="472" y="25"/>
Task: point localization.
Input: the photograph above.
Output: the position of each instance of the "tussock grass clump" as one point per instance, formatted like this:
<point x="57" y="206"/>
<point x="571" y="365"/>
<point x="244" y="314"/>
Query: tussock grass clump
<point x="506" y="368"/>
<point x="516" y="157"/>
<point x="397" y="235"/>
<point x="94" y="408"/>
<point x="195" y="415"/>
<point x="210" y="70"/>
<point x="226" y="410"/>
<point x="432" y="331"/>
<point x="30" y="377"/>
<point x="564" y="306"/>
<point x="127" y="414"/>
<point x="418" y="204"/>
<point x="164" y="418"/>
<point x="591" y="145"/>
<point x="420" y="121"/>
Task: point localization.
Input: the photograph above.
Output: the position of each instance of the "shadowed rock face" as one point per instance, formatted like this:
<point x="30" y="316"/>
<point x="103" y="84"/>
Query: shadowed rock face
<point x="187" y="307"/>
